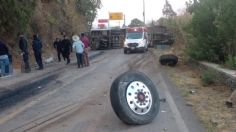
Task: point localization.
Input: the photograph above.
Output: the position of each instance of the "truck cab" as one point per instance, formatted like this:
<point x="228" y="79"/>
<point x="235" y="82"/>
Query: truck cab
<point x="136" y="39"/>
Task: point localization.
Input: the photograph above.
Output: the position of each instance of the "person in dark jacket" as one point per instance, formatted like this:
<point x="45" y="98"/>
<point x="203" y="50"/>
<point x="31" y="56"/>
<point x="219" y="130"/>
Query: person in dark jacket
<point x="23" y="44"/>
<point x="66" y="48"/>
<point x="57" y="46"/>
<point x="37" y="48"/>
<point x="4" y="60"/>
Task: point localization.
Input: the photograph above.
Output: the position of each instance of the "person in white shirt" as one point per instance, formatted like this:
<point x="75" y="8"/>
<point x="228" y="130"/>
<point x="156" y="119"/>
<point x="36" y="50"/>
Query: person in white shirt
<point x="78" y="46"/>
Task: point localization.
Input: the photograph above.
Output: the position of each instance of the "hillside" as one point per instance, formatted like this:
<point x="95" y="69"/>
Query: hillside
<point x="49" y="18"/>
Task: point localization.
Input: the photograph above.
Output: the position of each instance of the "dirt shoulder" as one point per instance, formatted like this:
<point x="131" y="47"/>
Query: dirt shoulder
<point x="208" y="102"/>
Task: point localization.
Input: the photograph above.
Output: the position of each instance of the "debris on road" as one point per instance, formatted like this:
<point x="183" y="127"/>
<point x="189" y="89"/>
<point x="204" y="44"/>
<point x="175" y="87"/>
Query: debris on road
<point x="192" y="91"/>
<point x="168" y="59"/>
<point x="189" y="104"/>
<point x="49" y="60"/>
<point x="163" y="100"/>
<point x="163" y="111"/>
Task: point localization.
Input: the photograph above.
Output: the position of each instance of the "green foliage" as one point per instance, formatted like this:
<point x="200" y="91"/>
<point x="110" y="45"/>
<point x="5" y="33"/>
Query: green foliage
<point x="225" y="22"/>
<point x="136" y="23"/>
<point x="212" y="31"/>
<point x="51" y="19"/>
<point x="168" y="22"/>
<point x="191" y="5"/>
<point x="208" y="77"/>
<point x="231" y="62"/>
<point x="88" y="8"/>
<point x="15" y="15"/>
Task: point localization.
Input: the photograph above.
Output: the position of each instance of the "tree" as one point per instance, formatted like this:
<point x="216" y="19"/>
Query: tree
<point x="136" y="23"/>
<point x="191" y="5"/>
<point x="88" y="8"/>
<point x="168" y="11"/>
<point x="225" y="23"/>
<point x="15" y="15"/>
<point x="206" y="44"/>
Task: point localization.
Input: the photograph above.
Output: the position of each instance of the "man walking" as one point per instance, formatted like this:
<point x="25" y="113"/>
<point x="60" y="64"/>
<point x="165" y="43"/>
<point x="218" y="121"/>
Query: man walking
<point x="85" y="40"/>
<point x="79" y="49"/>
<point x="23" y="44"/>
<point x="66" y="48"/>
<point x="4" y="60"/>
<point x="57" y="46"/>
<point x="37" y="48"/>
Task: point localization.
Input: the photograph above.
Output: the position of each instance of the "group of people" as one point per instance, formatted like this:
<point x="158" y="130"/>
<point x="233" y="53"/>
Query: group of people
<point x="37" y="48"/>
<point x="4" y="59"/>
<point x="62" y="45"/>
<point x="80" y="44"/>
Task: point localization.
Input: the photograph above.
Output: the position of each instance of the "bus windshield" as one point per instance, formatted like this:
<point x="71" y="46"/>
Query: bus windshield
<point x="134" y="35"/>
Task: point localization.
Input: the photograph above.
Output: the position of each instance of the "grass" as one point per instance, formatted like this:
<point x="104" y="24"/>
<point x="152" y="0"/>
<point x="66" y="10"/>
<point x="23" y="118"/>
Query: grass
<point x="208" y="100"/>
<point x="208" y="77"/>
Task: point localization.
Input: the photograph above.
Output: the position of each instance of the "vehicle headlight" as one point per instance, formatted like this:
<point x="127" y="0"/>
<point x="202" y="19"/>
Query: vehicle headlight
<point x="125" y="43"/>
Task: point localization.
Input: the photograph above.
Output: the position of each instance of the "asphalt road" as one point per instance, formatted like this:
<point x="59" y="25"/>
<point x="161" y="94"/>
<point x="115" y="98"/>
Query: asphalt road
<point x="78" y="100"/>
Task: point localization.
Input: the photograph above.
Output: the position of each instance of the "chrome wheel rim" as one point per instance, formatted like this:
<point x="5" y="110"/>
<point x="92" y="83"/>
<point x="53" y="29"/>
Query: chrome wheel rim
<point x="139" y="97"/>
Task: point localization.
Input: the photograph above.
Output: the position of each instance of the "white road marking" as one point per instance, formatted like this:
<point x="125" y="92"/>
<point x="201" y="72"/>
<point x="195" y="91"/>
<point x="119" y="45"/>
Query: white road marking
<point x="179" y="120"/>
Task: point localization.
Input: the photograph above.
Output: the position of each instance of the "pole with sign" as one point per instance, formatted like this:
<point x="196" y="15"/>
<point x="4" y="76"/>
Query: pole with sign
<point x="116" y="16"/>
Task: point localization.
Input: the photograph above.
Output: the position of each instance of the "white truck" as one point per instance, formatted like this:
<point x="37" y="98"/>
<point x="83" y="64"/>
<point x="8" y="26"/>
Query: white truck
<point x="136" y="39"/>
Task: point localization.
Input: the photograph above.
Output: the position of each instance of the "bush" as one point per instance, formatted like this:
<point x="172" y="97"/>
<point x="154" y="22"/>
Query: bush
<point x="208" y="77"/>
<point x="213" y="30"/>
<point x="231" y="62"/>
<point x="15" y="15"/>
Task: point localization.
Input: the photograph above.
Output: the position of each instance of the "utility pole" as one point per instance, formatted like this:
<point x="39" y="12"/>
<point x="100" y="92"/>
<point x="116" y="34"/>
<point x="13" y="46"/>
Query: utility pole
<point x="144" y="11"/>
<point x="124" y="21"/>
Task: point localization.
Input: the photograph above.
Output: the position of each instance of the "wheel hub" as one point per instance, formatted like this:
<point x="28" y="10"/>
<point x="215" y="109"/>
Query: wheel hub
<point x="139" y="97"/>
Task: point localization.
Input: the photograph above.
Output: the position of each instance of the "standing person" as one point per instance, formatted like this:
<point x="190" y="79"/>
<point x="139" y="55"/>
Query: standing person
<point x="66" y="48"/>
<point x="85" y="40"/>
<point x="4" y="60"/>
<point x="23" y="44"/>
<point x="57" y="46"/>
<point x="37" y="48"/>
<point x="79" y="49"/>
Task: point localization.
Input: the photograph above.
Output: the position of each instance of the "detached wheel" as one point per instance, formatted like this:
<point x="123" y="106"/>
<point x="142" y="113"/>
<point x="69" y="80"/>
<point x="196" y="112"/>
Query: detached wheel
<point x="134" y="98"/>
<point x="169" y="59"/>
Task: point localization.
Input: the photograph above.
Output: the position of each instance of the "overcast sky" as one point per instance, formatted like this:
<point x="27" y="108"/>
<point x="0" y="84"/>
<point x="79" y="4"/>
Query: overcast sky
<point x="134" y="9"/>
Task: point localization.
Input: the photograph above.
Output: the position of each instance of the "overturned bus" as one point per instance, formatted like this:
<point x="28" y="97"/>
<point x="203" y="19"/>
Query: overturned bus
<point x="107" y="38"/>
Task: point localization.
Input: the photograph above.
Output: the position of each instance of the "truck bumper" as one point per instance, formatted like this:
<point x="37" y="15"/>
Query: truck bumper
<point x="134" y="49"/>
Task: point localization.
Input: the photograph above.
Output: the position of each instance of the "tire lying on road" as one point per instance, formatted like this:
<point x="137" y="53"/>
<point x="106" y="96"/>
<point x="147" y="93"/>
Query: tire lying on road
<point x="134" y="98"/>
<point x="169" y="59"/>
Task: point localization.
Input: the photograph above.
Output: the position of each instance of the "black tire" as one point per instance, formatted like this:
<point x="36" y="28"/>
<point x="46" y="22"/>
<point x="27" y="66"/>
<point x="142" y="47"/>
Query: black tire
<point x="125" y="51"/>
<point x="169" y="59"/>
<point x="119" y="99"/>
